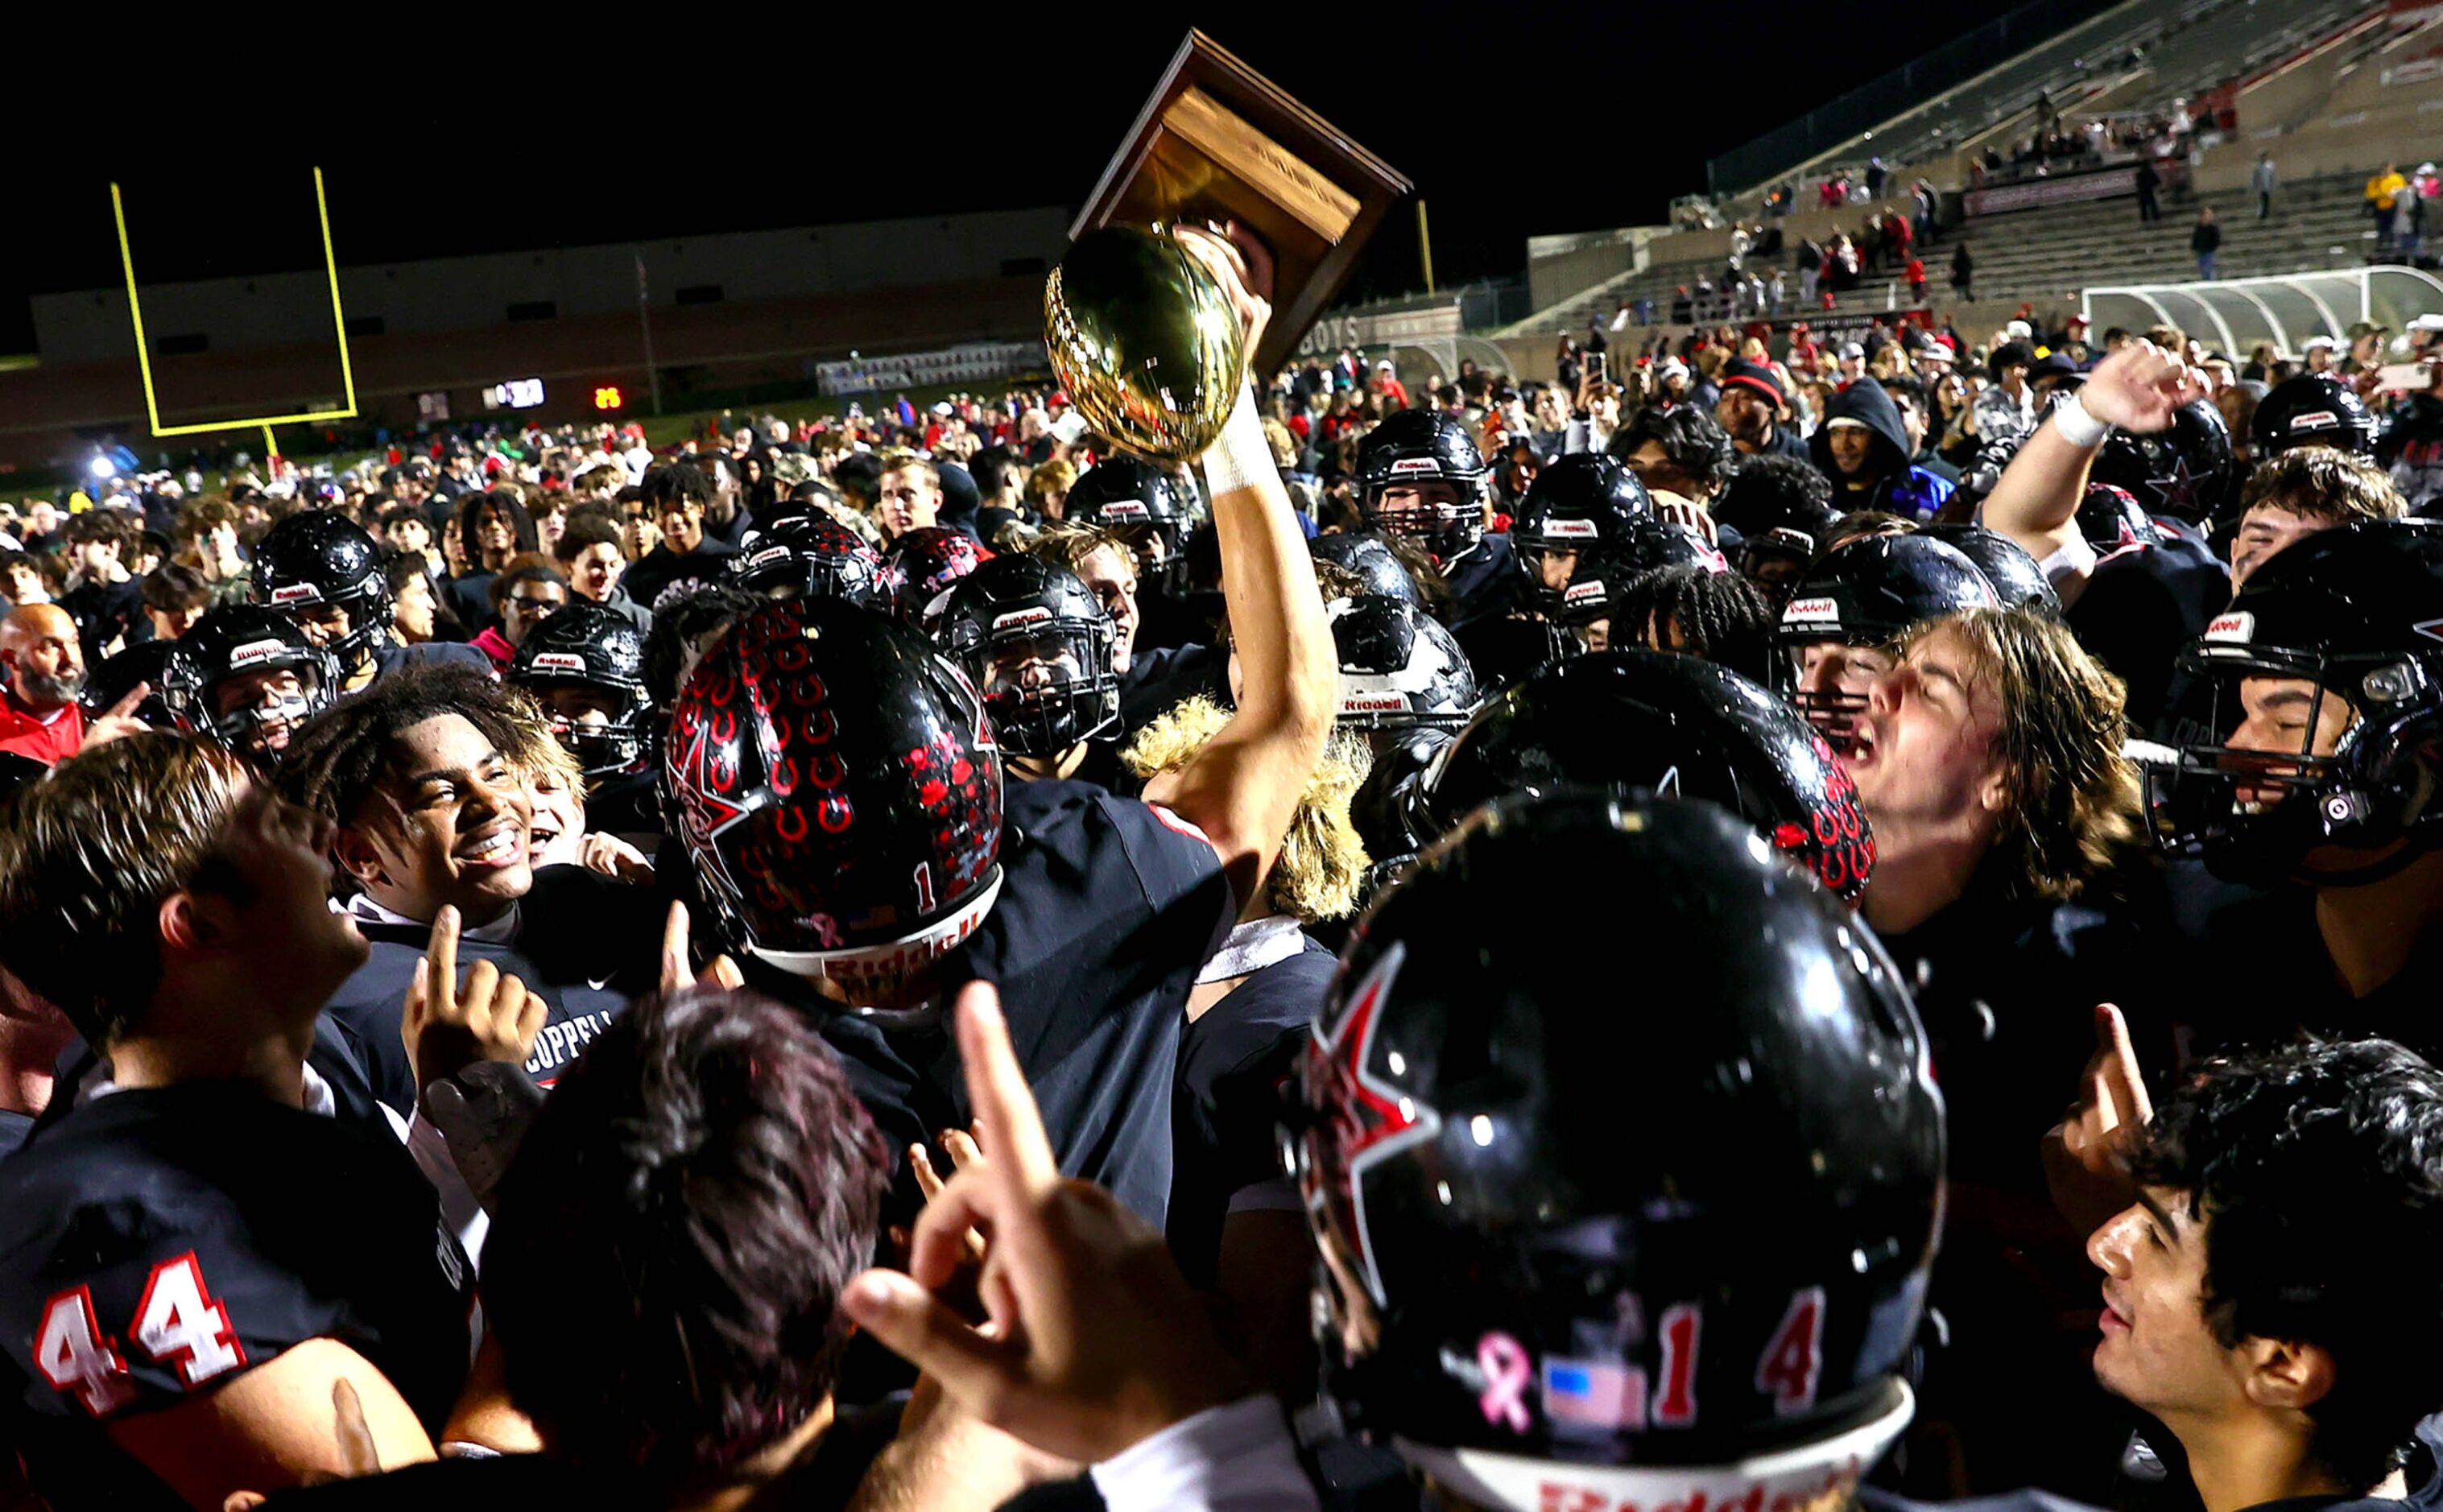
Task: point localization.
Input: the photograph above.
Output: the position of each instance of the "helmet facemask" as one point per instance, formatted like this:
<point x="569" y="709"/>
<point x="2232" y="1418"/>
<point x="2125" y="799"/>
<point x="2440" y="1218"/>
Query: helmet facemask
<point x="1047" y="683"/>
<point x="1446" y="529"/>
<point x="2282" y="756"/>
<point x="261" y="729"/>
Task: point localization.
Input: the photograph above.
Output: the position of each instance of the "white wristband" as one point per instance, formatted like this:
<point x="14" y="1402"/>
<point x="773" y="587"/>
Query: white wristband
<point x="1241" y="457"/>
<point x="2077" y="427"/>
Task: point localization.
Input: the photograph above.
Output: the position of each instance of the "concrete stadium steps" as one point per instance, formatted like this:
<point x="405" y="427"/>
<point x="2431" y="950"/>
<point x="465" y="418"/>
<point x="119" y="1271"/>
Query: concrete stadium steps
<point x="2047" y="256"/>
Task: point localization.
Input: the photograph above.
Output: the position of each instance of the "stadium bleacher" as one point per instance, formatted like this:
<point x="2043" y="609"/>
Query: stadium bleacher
<point x="2046" y="256"/>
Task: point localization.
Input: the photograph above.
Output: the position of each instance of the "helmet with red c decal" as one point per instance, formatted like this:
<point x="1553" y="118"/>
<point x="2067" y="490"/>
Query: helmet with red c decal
<point x="1677" y="725"/>
<point x="834" y="782"/>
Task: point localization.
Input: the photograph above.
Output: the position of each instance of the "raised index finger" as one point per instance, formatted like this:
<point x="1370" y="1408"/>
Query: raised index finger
<point x="1004" y="1109"/>
<point x="443" y="954"/>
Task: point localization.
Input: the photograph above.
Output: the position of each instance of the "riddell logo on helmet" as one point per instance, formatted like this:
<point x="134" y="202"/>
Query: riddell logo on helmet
<point x="1557" y="1496"/>
<point x="769" y="554"/>
<point x="2237" y="625"/>
<point x="2310" y="419"/>
<point x="558" y="662"/>
<point x="1132" y="510"/>
<point x="296" y="593"/>
<point x="1375" y="704"/>
<point x="1812" y="609"/>
<point x="1035" y="615"/>
<point x="1569" y="530"/>
<point x="1413" y="464"/>
<point x="254" y="651"/>
<point x="1583" y="593"/>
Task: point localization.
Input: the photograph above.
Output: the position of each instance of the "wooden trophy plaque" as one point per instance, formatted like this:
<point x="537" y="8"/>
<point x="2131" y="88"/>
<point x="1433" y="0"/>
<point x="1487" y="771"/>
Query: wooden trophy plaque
<point x="1219" y="142"/>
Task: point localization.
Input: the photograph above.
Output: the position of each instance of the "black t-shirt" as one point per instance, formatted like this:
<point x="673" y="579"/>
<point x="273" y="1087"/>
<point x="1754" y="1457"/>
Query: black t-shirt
<point x="1108" y="907"/>
<point x="14" y="1126"/>
<point x="469" y="597"/>
<point x="1232" y="1062"/>
<point x="584" y="944"/>
<point x="154" y="1242"/>
<point x="661" y="566"/>
<point x="105" y="612"/>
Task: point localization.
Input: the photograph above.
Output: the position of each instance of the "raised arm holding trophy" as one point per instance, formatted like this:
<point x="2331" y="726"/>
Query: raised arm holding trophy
<point x="1140" y="333"/>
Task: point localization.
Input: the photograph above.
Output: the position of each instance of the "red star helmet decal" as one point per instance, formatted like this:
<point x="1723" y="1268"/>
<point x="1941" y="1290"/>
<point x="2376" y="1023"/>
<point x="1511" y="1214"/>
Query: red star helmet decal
<point x="1370" y="1120"/>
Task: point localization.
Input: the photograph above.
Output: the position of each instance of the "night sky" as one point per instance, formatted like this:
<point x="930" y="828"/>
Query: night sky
<point x="1514" y="120"/>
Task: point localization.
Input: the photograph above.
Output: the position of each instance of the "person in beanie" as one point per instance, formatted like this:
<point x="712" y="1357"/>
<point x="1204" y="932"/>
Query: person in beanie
<point x="1752" y="408"/>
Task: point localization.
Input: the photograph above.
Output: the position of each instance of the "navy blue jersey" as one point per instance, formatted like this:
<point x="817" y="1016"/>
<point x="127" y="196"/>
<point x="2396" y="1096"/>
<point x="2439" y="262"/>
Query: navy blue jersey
<point x="1156" y="680"/>
<point x="1108" y="907"/>
<point x="2141" y="607"/>
<point x="14" y="1126"/>
<point x="157" y="1241"/>
<point x="1485" y="582"/>
<point x="1225" y="1107"/>
<point x="584" y="944"/>
<point x="390" y="658"/>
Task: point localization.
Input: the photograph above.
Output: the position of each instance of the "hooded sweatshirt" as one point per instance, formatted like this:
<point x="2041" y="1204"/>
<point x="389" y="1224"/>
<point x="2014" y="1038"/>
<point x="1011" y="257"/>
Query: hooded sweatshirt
<point x="1899" y="486"/>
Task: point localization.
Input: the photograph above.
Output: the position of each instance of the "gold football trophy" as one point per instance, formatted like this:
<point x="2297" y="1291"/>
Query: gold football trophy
<point x="1139" y="333"/>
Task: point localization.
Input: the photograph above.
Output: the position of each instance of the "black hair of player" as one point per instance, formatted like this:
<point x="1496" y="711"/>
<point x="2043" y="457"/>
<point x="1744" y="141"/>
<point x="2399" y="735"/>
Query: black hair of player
<point x="175" y="585"/>
<point x="584" y="530"/>
<point x="672" y="1239"/>
<point x="336" y="758"/>
<point x="531" y="572"/>
<point x="860" y="476"/>
<point x="476" y="508"/>
<point x="86" y="858"/>
<point x="687" y="610"/>
<point x="676" y="483"/>
<point x="1690" y="438"/>
<point x="991" y="467"/>
<point x="1771" y="490"/>
<point x="1719" y="616"/>
<point x="2318" y="1170"/>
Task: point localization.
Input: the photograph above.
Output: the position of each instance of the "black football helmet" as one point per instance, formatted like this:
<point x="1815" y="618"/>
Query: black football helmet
<point x="1678" y="726"/>
<point x="1369" y="555"/>
<point x="155" y="662"/>
<point x="2312" y="410"/>
<point x="1037" y="642"/>
<point x="835" y="783"/>
<point x="1416" y="446"/>
<point x="2183" y="472"/>
<point x="1865" y="593"/>
<point x="2110" y="519"/>
<point x="1399" y="668"/>
<point x="2016" y="578"/>
<point x="1539" y="1313"/>
<point x="1139" y="499"/>
<point x="810" y="556"/>
<point x="2319" y="756"/>
<point x="1572" y="533"/>
<point x="921" y="566"/>
<point x="243" y="641"/>
<point x="585" y="666"/>
<point x="317" y="558"/>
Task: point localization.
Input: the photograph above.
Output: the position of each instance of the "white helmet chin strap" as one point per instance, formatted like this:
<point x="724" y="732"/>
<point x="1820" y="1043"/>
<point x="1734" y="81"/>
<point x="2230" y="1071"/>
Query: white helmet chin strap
<point x="1808" y="1475"/>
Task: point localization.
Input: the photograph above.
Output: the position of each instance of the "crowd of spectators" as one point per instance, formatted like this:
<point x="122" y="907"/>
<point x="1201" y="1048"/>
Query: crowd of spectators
<point x="1538" y="929"/>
